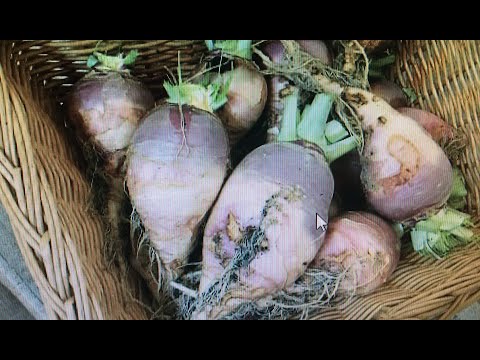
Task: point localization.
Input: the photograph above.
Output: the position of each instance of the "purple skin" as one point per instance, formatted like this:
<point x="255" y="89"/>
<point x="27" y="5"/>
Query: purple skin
<point x="406" y="173"/>
<point x="318" y="49"/>
<point x="390" y="92"/>
<point x="105" y="109"/>
<point x="363" y="245"/>
<point x="438" y="129"/>
<point x="172" y="186"/>
<point x="305" y="183"/>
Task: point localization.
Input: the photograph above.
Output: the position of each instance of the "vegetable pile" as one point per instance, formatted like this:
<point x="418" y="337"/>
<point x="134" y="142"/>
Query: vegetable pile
<point x="347" y="170"/>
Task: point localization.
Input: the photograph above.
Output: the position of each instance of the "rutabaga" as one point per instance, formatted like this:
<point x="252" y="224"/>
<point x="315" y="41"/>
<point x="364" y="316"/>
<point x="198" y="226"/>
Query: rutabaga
<point x="105" y="108"/>
<point x="176" y="166"/>
<point x="262" y="234"/>
<point x="246" y="88"/>
<point x="363" y="248"/>
<point x="406" y="174"/>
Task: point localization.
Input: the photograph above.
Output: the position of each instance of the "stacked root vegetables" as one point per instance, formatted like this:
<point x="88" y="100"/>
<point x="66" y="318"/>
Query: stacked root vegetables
<point x="337" y="148"/>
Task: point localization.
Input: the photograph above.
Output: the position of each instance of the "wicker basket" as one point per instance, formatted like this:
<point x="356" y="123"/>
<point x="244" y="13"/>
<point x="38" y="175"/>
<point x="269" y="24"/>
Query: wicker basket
<point x="46" y="195"/>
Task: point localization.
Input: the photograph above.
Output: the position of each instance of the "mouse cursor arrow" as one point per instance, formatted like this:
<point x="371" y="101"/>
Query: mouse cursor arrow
<point x="321" y="224"/>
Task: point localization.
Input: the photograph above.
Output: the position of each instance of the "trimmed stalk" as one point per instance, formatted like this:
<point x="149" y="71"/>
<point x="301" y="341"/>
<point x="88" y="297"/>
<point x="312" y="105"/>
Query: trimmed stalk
<point x="338" y="149"/>
<point x="442" y="232"/>
<point x="448" y="228"/>
<point x="331" y="137"/>
<point x="111" y="63"/>
<point x="312" y="125"/>
<point x="288" y="131"/>
<point x="208" y="96"/>
<point x="335" y="132"/>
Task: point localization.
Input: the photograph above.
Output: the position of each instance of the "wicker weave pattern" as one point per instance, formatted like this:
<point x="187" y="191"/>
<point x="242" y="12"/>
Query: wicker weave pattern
<point x="447" y="75"/>
<point x="46" y="199"/>
<point x="58" y="64"/>
<point x="45" y="195"/>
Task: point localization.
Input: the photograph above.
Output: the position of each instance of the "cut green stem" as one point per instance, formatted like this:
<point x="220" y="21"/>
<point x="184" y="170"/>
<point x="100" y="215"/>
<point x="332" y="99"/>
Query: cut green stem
<point x="314" y="120"/>
<point x="209" y="95"/>
<point x="112" y="63"/>
<point x="335" y="131"/>
<point x="442" y="232"/>
<point x="311" y="125"/>
<point x="334" y="151"/>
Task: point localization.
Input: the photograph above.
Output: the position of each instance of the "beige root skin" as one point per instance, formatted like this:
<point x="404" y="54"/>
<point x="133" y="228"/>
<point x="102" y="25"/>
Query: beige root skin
<point x="364" y="246"/>
<point x="174" y="175"/>
<point x="243" y="108"/>
<point x="402" y="159"/>
<point x="278" y="224"/>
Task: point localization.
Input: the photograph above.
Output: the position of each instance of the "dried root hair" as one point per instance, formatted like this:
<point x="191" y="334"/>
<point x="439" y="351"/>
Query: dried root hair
<point x="311" y="75"/>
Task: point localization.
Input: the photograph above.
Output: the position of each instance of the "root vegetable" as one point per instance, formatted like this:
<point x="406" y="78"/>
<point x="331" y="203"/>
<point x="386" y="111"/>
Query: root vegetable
<point x="363" y="248"/>
<point x="247" y="96"/>
<point x="105" y="109"/>
<point x="246" y="88"/>
<point x="261" y="234"/>
<point x="406" y="173"/>
<point x="346" y="170"/>
<point x="318" y="49"/>
<point x="176" y="166"/>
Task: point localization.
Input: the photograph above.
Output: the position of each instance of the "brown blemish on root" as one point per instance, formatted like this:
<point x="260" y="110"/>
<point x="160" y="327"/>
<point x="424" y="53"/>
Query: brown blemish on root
<point x="405" y="152"/>
<point x="286" y="91"/>
<point x="217" y="246"/>
<point x="355" y="98"/>
<point x="375" y="98"/>
<point x="264" y="245"/>
<point x="382" y="120"/>
<point x="233" y="229"/>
